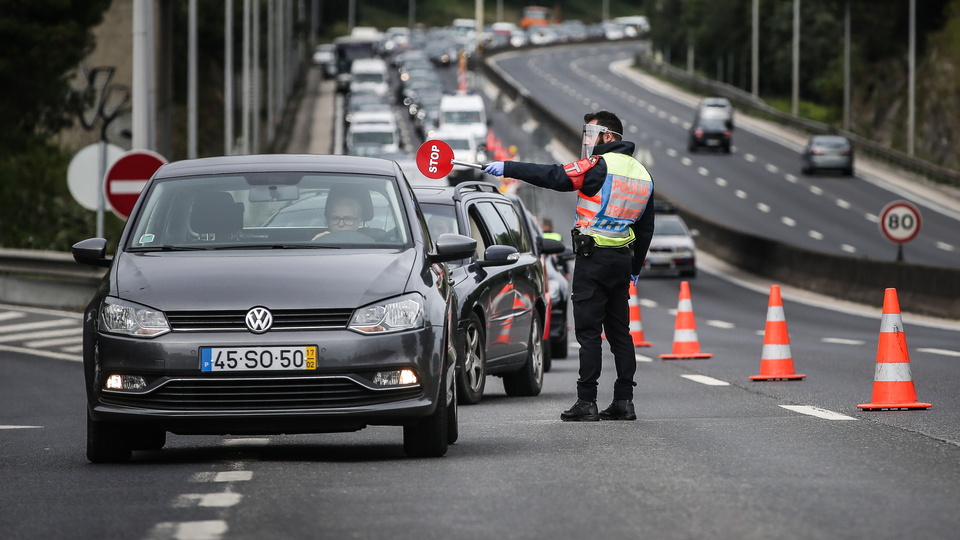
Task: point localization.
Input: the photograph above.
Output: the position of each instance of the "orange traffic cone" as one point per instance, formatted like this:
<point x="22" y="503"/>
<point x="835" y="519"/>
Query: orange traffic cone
<point x="892" y="382"/>
<point x="685" y="342"/>
<point x="775" y="361"/>
<point x="636" y="321"/>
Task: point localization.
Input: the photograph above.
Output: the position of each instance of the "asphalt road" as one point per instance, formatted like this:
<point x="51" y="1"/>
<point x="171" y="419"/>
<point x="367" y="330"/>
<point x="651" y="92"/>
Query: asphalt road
<point x="712" y="455"/>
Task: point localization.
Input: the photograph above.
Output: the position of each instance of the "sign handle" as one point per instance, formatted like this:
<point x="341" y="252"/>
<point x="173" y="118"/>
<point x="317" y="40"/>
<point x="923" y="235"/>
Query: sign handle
<point x="465" y="164"/>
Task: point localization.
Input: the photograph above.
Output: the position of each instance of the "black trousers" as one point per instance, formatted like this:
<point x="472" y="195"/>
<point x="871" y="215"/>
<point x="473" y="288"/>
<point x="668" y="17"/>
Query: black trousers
<point x="601" y="304"/>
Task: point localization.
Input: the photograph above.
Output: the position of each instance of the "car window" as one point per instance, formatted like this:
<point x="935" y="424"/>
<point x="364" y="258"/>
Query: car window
<point x="495" y="228"/>
<point x="669" y="227"/>
<point x="521" y="239"/>
<point x="266" y="210"/>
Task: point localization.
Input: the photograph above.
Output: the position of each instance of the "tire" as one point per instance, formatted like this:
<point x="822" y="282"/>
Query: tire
<point x="559" y="346"/>
<point x="107" y="443"/>
<point x="547" y="356"/>
<point x="528" y="380"/>
<point x="430" y="436"/>
<point x="848" y="172"/>
<point x="472" y="375"/>
<point x="453" y="418"/>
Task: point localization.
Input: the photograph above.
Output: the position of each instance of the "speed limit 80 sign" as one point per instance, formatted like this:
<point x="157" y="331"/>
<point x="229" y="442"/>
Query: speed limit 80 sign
<point x="900" y="222"/>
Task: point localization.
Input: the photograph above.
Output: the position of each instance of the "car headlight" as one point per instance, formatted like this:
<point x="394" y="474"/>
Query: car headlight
<point x="394" y="315"/>
<point x="127" y="318"/>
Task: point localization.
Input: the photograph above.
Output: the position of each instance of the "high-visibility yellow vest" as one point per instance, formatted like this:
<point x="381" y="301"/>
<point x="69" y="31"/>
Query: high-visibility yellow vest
<point x="608" y="214"/>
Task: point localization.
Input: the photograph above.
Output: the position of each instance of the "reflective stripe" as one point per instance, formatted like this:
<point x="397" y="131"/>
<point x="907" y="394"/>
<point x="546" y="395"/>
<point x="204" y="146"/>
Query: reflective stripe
<point x="891" y="322"/>
<point x="892" y="372"/>
<point x="608" y="214"/>
<point x="775" y="314"/>
<point x="685" y="304"/>
<point x="684" y="335"/>
<point x="775" y="352"/>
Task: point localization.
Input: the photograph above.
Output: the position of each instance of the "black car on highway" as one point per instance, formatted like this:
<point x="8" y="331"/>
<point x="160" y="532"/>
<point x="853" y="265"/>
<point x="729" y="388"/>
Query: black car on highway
<point x="712" y="133"/>
<point x="272" y="294"/>
<point x="502" y="304"/>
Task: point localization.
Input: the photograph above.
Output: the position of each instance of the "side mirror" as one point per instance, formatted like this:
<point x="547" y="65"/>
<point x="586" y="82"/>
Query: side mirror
<point x="92" y="251"/>
<point x="453" y="247"/>
<point x="499" y="256"/>
<point x="552" y="247"/>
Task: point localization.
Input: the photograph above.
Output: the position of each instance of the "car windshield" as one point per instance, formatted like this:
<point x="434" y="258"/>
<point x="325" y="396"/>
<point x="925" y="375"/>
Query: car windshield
<point x="462" y="117"/>
<point x="668" y="227"/>
<point x="835" y="143"/>
<point x="270" y="210"/>
<point x="715" y="124"/>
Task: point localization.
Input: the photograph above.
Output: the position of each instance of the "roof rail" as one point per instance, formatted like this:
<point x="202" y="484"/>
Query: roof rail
<point x="476" y="186"/>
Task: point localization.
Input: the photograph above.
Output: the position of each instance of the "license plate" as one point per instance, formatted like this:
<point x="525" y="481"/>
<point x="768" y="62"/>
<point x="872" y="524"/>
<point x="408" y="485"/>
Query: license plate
<point x="712" y="142"/>
<point x="293" y="358"/>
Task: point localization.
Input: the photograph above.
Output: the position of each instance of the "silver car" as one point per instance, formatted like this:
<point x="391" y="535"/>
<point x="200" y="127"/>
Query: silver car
<point x="828" y="153"/>
<point x="672" y="250"/>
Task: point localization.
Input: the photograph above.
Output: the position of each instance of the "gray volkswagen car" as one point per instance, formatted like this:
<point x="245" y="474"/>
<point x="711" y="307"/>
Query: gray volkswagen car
<point x="272" y="294"/>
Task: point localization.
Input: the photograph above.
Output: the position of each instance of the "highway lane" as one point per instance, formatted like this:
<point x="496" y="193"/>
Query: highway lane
<point x="758" y="188"/>
<point x="703" y="460"/>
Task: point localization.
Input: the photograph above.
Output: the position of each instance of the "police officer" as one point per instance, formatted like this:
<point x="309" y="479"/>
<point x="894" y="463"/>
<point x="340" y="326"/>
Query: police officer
<point x="614" y="225"/>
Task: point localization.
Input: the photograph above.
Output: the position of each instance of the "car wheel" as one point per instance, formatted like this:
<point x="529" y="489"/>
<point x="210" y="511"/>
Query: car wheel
<point x="848" y="172"/>
<point x="429" y="436"/>
<point x="107" y="443"/>
<point x="473" y="371"/>
<point x="547" y="355"/>
<point x="453" y="417"/>
<point x="528" y="381"/>
<point x="691" y="273"/>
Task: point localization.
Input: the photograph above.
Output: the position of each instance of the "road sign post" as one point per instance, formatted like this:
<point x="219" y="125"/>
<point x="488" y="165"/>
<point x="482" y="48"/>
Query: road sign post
<point x="900" y="223"/>
<point x="127" y="176"/>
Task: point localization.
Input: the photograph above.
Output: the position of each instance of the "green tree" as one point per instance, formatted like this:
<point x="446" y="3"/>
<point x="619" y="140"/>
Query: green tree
<point x="43" y="43"/>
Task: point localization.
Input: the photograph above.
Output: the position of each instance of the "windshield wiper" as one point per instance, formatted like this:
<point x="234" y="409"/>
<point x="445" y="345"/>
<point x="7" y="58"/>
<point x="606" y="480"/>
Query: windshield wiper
<point x="278" y="246"/>
<point x="167" y="248"/>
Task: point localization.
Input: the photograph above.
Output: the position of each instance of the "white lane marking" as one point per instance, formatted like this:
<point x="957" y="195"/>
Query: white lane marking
<point x="721" y="324"/>
<point x="816" y="235"/>
<point x="789" y="222"/>
<point x="189" y="530"/>
<point x="9" y="315"/>
<point x="47" y="354"/>
<point x="818" y="412"/>
<point x="643" y="358"/>
<point x="208" y="500"/>
<point x="233" y="476"/>
<point x="942" y="352"/>
<point x="843" y="341"/>
<point x="43" y="334"/>
<point x="763" y="208"/>
<point x="252" y="441"/>
<point x="646" y="302"/>
<point x="227" y="476"/>
<point x="703" y="379"/>
<point x="741" y="194"/>
<point x="944" y="246"/>
<point x="843" y="204"/>
<point x="21" y="427"/>
<point x="69" y="340"/>
<point x="22" y="327"/>
<point x="848" y="248"/>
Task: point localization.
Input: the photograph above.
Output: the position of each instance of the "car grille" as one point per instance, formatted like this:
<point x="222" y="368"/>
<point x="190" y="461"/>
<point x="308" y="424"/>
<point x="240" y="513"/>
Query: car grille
<point x="259" y="394"/>
<point x="661" y="249"/>
<point x="313" y="319"/>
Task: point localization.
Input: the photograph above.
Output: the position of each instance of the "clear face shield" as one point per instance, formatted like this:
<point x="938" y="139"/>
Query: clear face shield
<point x="591" y="137"/>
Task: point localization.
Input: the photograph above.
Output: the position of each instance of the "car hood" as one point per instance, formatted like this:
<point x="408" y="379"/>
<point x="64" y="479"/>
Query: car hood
<point x="275" y="279"/>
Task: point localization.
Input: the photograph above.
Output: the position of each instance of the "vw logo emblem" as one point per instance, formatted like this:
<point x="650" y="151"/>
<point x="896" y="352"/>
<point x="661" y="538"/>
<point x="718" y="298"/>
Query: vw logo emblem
<point x="259" y="320"/>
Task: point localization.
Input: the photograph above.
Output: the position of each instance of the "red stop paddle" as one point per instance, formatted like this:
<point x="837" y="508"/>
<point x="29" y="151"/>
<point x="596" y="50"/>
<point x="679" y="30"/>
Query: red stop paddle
<point x="435" y="159"/>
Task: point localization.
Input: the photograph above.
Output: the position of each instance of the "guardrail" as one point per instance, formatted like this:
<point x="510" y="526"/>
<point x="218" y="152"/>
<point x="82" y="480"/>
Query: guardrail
<point x="925" y="290"/>
<point x="48" y="279"/>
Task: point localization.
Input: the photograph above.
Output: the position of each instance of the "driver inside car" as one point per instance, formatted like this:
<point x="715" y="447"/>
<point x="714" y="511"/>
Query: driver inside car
<point x="342" y="215"/>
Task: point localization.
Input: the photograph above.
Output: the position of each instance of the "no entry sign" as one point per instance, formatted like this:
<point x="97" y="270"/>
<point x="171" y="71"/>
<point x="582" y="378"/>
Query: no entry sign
<point x="127" y="176"/>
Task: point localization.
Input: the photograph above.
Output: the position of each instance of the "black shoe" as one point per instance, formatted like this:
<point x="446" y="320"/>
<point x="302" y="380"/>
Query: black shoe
<point x="582" y="411"/>
<point x="620" y="409"/>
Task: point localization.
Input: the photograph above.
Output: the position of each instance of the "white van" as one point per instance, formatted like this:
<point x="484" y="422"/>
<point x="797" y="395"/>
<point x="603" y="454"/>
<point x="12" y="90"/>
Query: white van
<point x="369" y="76"/>
<point x="464" y="112"/>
